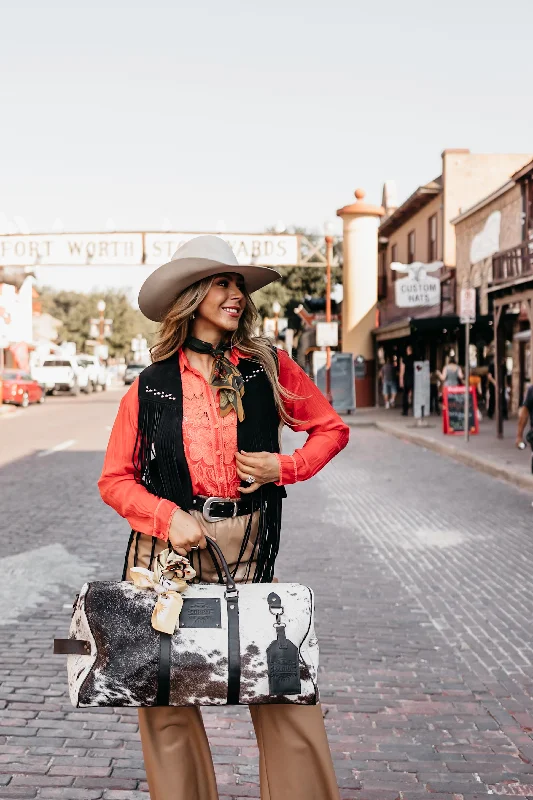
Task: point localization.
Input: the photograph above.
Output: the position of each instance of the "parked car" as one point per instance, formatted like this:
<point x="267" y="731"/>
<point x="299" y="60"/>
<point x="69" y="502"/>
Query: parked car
<point x="133" y="371"/>
<point x="62" y="373"/>
<point x="97" y="371"/>
<point x="20" y="389"/>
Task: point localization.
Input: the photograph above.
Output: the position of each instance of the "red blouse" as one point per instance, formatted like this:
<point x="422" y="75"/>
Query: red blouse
<point x="210" y="444"/>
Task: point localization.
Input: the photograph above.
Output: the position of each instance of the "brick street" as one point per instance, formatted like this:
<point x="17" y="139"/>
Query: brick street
<point x="422" y="572"/>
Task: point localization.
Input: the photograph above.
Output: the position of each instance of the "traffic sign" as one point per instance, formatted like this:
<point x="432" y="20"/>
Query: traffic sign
<point x="327" y="334"/>
<point x="468" y="306"/>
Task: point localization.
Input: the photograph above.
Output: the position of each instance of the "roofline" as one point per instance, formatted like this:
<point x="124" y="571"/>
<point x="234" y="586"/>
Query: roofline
<point x="403" y="212"/>
<point x="523" y="171"/>
<point x="482" y="203"/>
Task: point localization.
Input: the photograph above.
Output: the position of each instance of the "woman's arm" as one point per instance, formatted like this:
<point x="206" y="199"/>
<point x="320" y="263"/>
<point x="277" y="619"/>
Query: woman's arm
<point x="327" y="433"/>
<point x="118" y="488"/>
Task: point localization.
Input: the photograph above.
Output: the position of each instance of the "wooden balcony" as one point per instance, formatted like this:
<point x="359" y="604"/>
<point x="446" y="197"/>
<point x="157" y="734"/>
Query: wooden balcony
<point x="515" y="264"/>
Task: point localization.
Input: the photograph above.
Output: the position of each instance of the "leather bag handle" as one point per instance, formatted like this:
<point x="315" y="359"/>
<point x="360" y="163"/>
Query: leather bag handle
<point x="230" y="583"/>
<point x="213" y="546"/>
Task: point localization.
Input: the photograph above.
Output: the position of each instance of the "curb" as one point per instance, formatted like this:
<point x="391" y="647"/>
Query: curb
<point x="469" y="459"/>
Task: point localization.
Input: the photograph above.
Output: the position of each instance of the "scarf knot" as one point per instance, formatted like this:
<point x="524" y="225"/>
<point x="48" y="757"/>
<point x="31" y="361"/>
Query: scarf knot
<point x="225" y="378"/>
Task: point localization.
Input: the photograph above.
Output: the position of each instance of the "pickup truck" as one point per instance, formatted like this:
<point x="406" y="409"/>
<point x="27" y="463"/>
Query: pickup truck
<point x="62" y="373"/>
<point x="97" y="371"/>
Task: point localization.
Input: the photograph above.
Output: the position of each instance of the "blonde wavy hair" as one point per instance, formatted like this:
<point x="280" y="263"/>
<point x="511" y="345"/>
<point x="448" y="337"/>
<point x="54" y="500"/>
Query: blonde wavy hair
<point x="175" y="327"/>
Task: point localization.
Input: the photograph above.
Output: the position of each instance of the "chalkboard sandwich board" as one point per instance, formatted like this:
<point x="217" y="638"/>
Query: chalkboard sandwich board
<point x="453" y="410"/>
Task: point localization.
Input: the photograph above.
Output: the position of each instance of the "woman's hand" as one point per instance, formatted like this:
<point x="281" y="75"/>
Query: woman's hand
<point x="186" y="532"/>
<point x="264" y="467"/>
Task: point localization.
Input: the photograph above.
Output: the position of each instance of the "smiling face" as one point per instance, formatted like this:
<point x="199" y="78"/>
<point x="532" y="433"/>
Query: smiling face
<point x="222" y="307"/>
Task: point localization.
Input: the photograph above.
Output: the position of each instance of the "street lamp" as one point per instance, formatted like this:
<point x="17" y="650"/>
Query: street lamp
<point x="101" y="322"/>
<point x="328" y="236"/>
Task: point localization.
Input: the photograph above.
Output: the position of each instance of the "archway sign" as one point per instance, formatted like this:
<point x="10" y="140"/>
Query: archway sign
<point x="150" y="248"/>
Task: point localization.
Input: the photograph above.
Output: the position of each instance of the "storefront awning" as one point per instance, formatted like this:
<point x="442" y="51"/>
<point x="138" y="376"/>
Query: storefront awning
<point x="407" y="326"/>
<point x="394" y="330"/>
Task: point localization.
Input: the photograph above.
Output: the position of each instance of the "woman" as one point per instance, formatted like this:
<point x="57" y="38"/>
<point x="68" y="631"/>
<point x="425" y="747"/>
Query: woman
<point x="452" y="374"/>
<point x="388" y="381"/>
<point x="195" y="451"/>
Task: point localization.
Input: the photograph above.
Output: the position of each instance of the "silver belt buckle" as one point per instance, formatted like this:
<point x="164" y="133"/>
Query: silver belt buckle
<point x="207" y="507"/>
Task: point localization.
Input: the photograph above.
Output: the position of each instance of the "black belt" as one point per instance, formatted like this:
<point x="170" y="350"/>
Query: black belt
<point x="217" y="508"/>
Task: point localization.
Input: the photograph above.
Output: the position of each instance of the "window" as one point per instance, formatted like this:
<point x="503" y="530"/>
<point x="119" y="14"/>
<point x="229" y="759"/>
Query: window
<point x="432" y="238"/>
<point x="529" y="211"/>
<point x="393" y="258"/>
<point x="382" y="275"/>
<point x="410" y="247"/>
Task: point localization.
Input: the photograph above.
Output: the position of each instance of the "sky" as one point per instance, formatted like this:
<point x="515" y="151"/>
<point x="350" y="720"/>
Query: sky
<point x="248" y="113"/>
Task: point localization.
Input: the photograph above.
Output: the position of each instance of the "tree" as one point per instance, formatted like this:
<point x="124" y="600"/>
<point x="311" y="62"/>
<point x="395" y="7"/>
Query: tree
<point x="75" y="310"/>
<point x="297" y="283"/>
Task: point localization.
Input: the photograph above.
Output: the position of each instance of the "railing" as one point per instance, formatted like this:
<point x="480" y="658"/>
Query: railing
<point x="512" y="264"/>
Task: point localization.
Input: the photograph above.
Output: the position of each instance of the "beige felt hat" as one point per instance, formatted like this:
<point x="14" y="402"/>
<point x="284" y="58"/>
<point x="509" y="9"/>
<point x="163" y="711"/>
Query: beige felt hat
<point x="198" y="258"/>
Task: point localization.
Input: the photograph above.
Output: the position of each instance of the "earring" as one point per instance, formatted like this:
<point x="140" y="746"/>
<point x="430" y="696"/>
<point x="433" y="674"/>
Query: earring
<point x="193" y="315"/>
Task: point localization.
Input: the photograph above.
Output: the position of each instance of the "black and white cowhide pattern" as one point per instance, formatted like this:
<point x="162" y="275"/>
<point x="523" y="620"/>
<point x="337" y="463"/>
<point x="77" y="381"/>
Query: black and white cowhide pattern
<point x="256" y="625"/>
<point x="122" y="669"/>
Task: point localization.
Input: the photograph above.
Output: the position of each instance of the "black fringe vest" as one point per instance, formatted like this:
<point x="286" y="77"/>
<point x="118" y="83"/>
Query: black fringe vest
<point x="159" y="457"/>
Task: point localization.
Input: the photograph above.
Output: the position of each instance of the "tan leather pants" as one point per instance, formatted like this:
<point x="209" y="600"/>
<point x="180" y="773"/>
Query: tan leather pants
<point x="294" y="758"/>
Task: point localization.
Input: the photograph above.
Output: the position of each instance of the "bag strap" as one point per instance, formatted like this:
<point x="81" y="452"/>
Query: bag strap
<point x="234" y="643"/>
<point x="72" y="647"/>
<point x="230" y="583"/>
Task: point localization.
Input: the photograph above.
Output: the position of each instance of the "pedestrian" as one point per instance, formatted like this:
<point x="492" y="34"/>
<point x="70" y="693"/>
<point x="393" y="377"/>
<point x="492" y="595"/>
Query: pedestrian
<point x="407" y="378"/>
<point x="491" y="377"/>
<point x="525" y="415"/>
<point x="217" y="441"/>
<point x="491" y="386"/>
<point x="434" y="387"/>
<point x="388" y="382"/>
<point x="452" y="374"/>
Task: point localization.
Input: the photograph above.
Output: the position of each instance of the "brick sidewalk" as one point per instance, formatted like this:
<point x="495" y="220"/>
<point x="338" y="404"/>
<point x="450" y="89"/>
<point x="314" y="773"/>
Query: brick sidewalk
<point x="484" y="451"/>
<point x="424" y="618"/>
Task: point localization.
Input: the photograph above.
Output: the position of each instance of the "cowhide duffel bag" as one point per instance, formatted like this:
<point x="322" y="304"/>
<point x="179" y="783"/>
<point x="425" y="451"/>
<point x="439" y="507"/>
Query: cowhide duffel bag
<point x="235" y="644"/>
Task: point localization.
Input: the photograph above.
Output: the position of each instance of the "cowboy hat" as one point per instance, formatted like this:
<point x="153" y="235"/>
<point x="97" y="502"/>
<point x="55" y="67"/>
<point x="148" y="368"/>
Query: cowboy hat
<point x="198" y="258"/>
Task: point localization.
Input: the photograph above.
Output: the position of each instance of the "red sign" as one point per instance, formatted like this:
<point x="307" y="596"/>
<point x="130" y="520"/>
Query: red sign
<point x="453" y="410"/>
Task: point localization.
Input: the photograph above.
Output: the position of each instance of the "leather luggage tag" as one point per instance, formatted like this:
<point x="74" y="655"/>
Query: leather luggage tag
<point x="283" y="666"/>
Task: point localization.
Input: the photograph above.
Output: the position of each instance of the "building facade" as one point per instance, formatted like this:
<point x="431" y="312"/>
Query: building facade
<point x="495" y="256"/>
<point x="16" y="323"/>
<point x="421" y="230"/>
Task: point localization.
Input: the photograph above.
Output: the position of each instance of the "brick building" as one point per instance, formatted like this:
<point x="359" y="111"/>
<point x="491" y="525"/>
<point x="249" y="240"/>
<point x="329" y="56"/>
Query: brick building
<point x="495" y="256"/>
<point x="421" y="229"/>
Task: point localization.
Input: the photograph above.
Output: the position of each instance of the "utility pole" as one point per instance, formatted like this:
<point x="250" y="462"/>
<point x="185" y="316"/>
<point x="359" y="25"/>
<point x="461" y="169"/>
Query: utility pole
<point x="467" y="381"/>
<point x="467" y="317"/>
<point x="329" y="258"/>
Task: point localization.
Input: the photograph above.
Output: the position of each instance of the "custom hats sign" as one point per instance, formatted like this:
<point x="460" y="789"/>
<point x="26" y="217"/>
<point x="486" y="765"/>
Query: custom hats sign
<point x="417" y="288"/>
